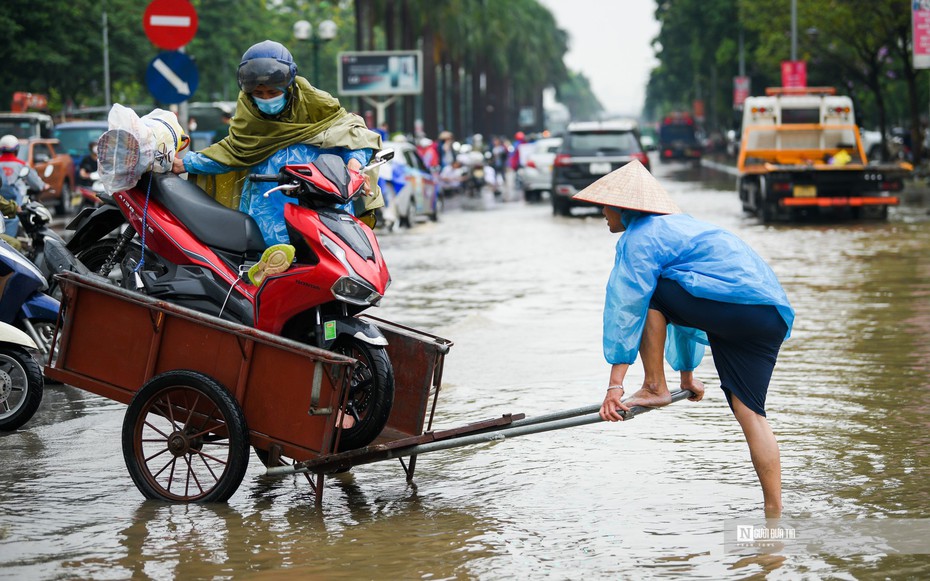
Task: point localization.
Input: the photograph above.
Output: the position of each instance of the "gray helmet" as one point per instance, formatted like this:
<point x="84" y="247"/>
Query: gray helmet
<point x="266" y="63"/>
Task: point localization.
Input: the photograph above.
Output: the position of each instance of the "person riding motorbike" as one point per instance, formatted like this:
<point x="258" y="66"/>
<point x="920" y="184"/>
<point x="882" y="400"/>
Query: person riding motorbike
<point x="282" y="119"/>
<point x="12" y="188"/>
<point x="88" y="166"/>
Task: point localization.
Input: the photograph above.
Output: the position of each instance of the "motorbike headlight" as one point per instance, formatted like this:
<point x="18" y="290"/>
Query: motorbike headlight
<point x="355" y="291"/>
<point x="352" y="289"/>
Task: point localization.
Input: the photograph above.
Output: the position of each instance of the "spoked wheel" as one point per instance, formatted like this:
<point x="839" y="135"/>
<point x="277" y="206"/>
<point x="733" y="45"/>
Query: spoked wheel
<point x="371" y="392"/>
<point x="20" y="387"/>
<point x="185" y="439"/>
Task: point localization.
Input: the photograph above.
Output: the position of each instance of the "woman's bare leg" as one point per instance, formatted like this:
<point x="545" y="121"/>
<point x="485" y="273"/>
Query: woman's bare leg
<point x="763" y="449"/>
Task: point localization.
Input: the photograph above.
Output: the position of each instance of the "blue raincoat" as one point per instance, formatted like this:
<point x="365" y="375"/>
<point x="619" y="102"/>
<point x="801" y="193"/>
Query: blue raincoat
<point x="269" y="212"/>
<point x="705" y="260"/>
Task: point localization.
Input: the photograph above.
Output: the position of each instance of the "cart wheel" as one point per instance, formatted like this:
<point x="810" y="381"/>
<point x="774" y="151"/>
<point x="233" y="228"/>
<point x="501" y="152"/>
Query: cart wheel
<point x="20" y="387"/>
<point x="185" y="439"/>
<point x="371" y="392"/>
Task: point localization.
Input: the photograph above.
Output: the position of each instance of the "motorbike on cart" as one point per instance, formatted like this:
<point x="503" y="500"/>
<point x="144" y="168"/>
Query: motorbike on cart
<point x="184" y="247"/>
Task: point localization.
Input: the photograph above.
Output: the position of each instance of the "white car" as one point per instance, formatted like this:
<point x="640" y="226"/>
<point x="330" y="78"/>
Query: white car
<point x="409" y="188"/>
<point x="535" y="173"/>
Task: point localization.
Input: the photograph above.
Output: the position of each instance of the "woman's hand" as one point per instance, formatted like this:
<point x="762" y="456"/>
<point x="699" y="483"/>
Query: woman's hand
<point x="612" y="406"/>
<point x="177" y="166"/>
<point x="356" y="165"/>
<point x="695" y="386"/>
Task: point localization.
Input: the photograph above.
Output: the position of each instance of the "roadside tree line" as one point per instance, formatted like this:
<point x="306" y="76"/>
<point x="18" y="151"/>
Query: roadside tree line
<point x="484" y="60"/>
<point x="861" y="47"/>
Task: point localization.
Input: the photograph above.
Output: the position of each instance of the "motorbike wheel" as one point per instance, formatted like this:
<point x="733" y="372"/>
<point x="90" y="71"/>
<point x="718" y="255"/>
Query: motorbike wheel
<point x="20" y="387"/>
<point x="410" y="215"/>
<point x="185" y="439"/>
<point x="96" y="255"/>
<point x="371" y="392"/>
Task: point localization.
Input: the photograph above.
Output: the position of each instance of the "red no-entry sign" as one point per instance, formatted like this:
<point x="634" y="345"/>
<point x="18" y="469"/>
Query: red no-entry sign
<point x="170" y="24"/>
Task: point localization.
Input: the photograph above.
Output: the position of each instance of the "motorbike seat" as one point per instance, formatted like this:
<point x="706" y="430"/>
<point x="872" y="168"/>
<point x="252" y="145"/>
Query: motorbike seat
<point x="210" y="221"/>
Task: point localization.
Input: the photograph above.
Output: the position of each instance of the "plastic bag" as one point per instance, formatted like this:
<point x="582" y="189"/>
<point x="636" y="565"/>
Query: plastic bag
<point x="134" y="145"/>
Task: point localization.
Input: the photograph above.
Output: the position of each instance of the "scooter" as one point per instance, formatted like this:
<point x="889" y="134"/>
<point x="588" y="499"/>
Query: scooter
<point x="90" y="195"/>
<point x="196" y="252"/>
<point x="34" y="219"/>
<point x="21" y="382"/>
<point x="23" y="302"/>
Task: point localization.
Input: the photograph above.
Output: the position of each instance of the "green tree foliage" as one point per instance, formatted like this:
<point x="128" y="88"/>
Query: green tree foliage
<point x="862" y="47"/>
<point x="502" y="53"/>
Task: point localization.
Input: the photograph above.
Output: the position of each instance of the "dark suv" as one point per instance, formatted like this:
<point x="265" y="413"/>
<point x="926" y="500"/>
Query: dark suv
<point x="590" y="151"/>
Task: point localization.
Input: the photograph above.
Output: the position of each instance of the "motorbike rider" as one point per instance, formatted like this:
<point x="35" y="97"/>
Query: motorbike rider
<point x="281" y="118"/>
<point x="12" y="188"/>
<point x="88" y="166"/>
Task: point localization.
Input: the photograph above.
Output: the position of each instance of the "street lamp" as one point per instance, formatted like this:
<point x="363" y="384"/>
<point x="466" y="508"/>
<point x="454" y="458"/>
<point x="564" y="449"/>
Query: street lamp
<point x="325" y="32"/>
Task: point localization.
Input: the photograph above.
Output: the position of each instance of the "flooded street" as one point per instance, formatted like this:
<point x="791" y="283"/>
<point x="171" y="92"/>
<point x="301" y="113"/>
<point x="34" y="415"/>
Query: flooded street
<point x="520" y="293"/>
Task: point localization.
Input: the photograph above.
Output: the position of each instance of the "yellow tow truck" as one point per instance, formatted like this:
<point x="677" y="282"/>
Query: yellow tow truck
<point x="801" y="155"/>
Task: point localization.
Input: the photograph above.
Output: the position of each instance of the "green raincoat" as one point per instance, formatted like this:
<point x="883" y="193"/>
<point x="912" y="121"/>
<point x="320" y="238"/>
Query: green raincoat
<point x="312" y="116"/>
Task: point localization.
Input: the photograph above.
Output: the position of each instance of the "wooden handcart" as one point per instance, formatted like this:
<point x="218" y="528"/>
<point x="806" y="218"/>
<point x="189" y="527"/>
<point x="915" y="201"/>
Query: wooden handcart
<point x="202" y="392"/>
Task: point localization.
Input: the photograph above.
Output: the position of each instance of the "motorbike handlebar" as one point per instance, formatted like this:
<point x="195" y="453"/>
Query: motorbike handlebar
<point x="259" y="177"/>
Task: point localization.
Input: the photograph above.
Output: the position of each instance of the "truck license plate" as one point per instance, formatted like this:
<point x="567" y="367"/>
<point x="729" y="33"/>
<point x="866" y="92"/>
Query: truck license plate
<point x="600" y="168"/>
<point x="805" y="191"/>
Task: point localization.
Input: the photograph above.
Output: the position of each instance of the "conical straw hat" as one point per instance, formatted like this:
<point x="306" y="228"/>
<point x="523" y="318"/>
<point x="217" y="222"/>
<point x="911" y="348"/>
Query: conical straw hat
<point x="632" y="187"/>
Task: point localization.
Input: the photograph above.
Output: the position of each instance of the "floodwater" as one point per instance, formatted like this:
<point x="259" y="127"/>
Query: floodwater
<point x="520" y="293"/>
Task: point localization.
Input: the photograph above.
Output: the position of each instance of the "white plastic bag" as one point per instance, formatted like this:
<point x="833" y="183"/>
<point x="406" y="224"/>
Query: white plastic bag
<point x="135" y="145"/>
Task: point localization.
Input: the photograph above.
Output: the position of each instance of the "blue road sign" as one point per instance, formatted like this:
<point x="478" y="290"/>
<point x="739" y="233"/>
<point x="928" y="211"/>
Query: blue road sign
<point x="172" y="77"/>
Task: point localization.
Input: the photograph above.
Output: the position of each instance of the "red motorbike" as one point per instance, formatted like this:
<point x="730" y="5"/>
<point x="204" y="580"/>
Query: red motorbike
<point x="184" y="247"/>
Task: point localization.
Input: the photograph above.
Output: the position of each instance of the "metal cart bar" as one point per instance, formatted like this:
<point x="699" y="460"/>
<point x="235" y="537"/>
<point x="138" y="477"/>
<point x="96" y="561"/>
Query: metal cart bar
<point x="520" y="427"/>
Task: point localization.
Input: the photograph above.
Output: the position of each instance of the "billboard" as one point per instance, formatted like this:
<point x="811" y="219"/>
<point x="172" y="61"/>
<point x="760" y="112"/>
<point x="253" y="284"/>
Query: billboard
<point x="392" y="72"/>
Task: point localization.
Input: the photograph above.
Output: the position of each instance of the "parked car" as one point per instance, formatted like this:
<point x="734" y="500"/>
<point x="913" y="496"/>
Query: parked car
<point x="410" y="190"/>
<point x="39" y="153"/>
<point x="589" y="151"/>
<point x="535" y="172"/>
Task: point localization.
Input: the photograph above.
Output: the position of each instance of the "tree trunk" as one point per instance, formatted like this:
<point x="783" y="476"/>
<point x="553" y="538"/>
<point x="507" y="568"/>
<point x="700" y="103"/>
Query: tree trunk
<point x="408" y="42"/>
<point x="390" y="30"/>
<point x="430" y="118"/>
<point x="456" y="94"/>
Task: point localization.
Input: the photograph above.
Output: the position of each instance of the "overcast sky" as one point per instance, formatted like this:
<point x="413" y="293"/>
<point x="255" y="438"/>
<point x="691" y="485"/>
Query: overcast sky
<point x="610" y="43"/>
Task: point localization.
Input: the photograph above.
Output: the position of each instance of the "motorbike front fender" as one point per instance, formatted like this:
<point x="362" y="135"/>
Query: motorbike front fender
<point x="10" y="334"/>
<point x="358" y="329"/>
<point x="92" y="226"/>
<point x="40" y="306"/>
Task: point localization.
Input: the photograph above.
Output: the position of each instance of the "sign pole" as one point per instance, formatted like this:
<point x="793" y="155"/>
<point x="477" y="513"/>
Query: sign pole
<point x="380" y="108"/>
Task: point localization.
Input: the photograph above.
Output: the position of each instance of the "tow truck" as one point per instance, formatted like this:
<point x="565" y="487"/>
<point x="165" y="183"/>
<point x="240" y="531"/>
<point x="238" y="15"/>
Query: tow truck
<point x="801" y="154"/>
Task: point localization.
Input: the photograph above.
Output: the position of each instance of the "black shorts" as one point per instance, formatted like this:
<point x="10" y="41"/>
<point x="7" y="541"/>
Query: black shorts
<point x="744" y="339"/>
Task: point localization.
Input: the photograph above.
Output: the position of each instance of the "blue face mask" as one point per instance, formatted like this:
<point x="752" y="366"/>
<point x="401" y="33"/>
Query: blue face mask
<point x="271" y="106"/>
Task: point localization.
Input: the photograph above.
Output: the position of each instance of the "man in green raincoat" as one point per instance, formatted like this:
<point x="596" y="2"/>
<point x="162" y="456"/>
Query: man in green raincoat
<point x="280" y="118"/>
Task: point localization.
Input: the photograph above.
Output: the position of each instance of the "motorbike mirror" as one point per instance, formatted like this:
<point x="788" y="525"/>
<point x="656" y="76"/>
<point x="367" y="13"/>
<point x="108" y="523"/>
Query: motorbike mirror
<point x="49" y="170"/>
<point x="384" y="155"/>
<point x="24" y="171"/>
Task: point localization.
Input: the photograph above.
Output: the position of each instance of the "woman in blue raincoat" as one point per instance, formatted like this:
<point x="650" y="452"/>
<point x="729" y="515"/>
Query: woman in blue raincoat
<point x="679" y="284"/>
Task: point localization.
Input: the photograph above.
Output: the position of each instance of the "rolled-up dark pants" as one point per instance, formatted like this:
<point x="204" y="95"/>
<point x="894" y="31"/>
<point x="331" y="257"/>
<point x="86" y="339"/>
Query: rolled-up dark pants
<point x="744" y="339"/>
